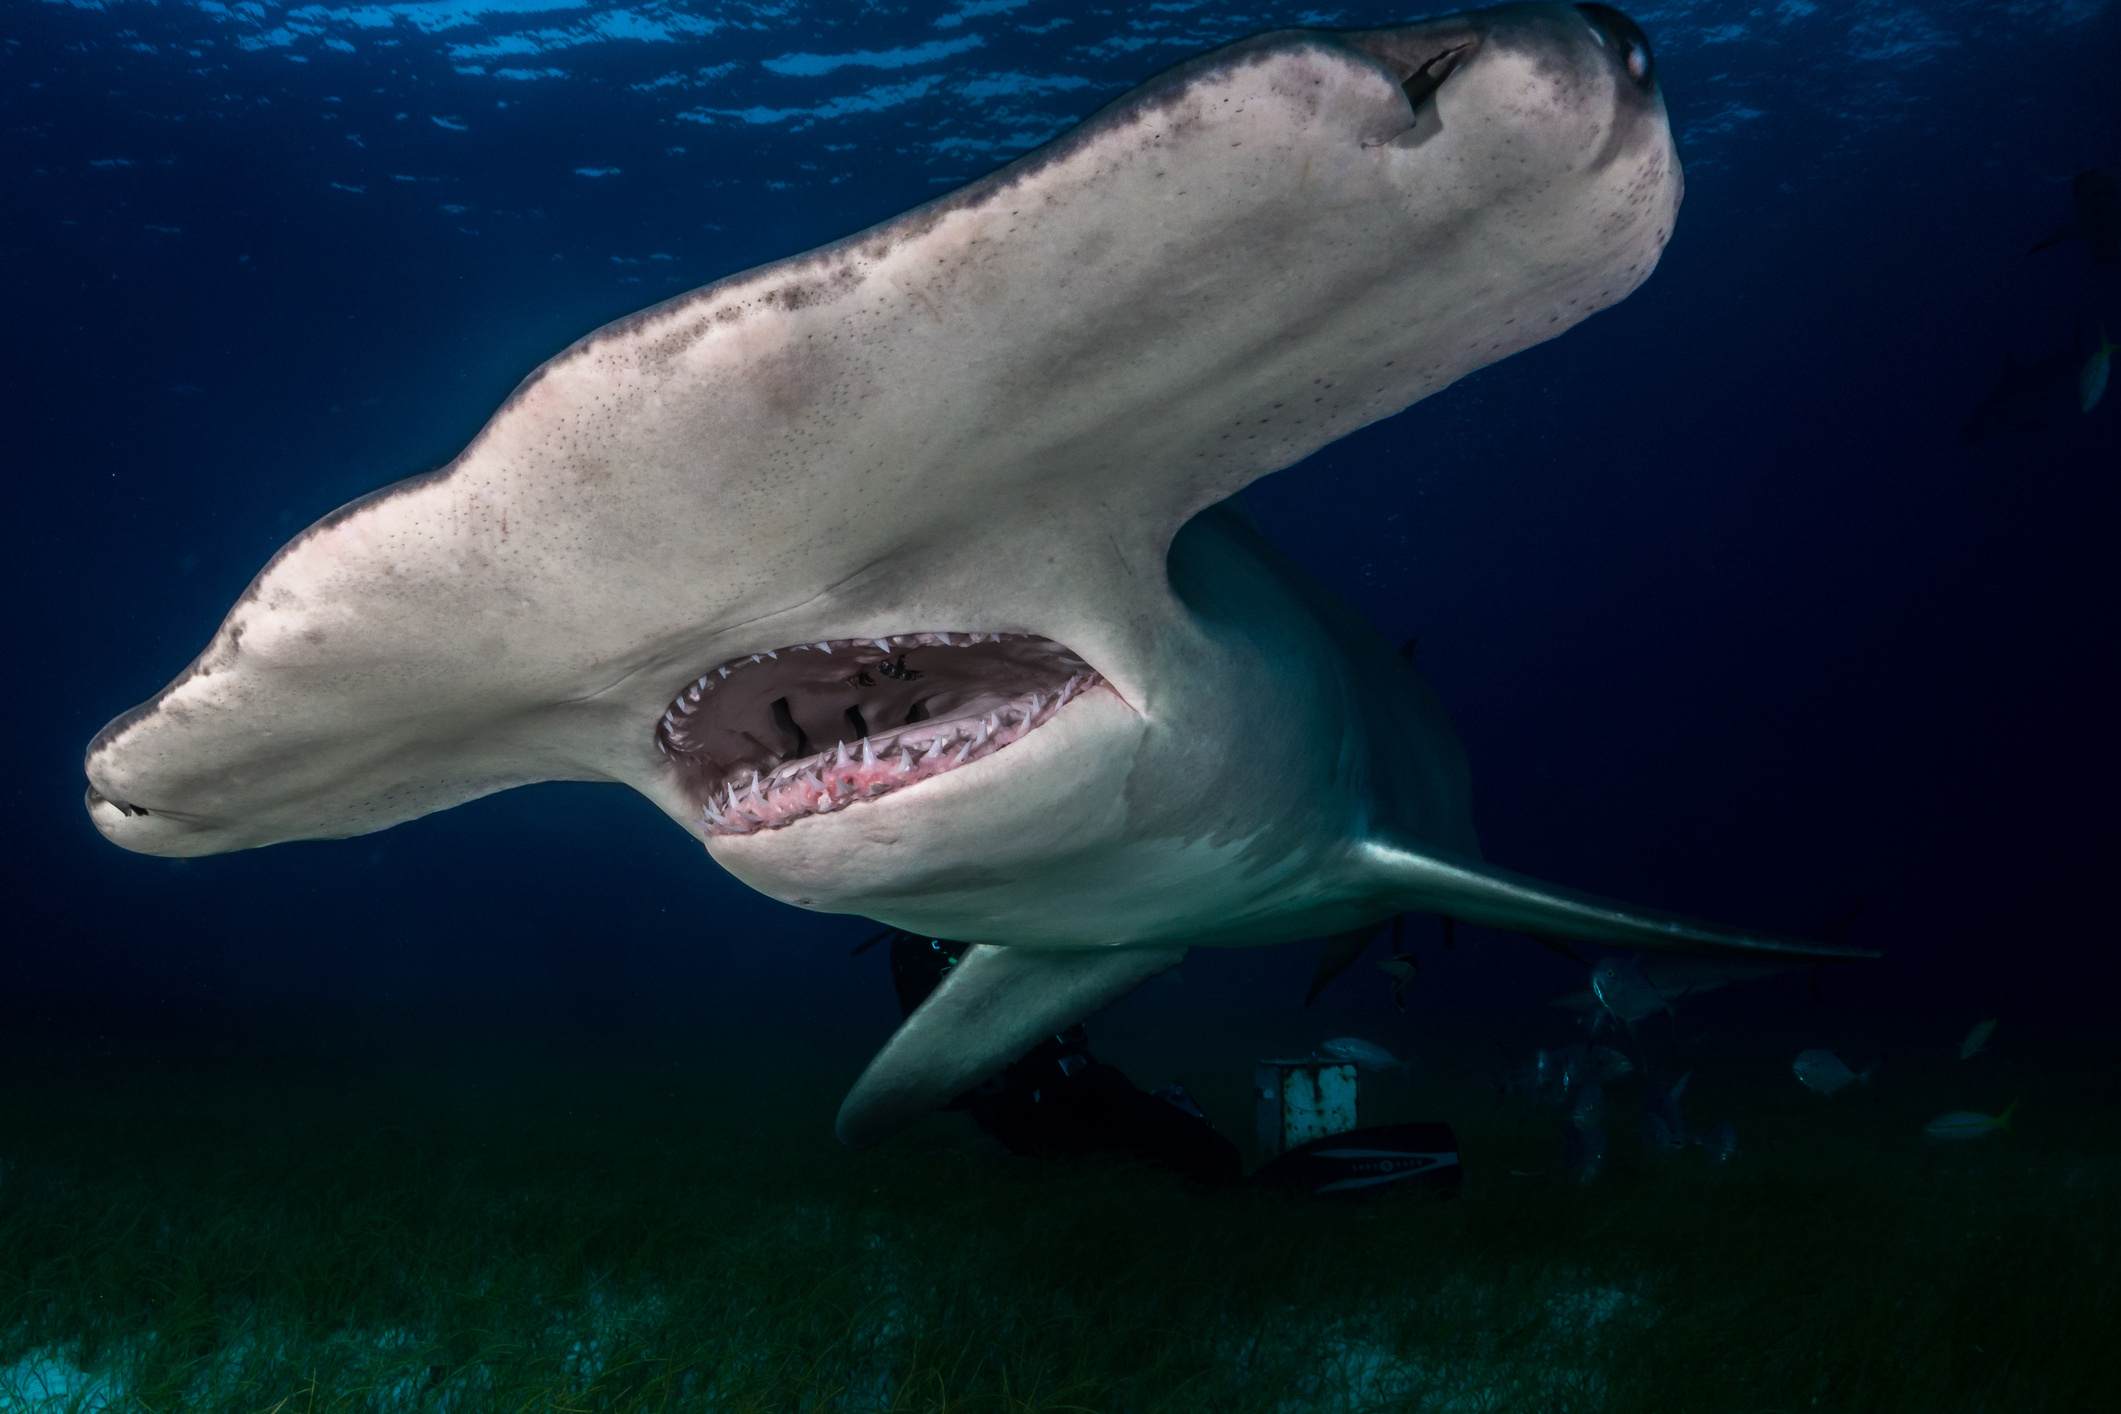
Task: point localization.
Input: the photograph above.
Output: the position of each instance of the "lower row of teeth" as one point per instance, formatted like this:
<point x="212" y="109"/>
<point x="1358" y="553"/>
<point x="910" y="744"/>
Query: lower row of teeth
<point x="820" y="784"/>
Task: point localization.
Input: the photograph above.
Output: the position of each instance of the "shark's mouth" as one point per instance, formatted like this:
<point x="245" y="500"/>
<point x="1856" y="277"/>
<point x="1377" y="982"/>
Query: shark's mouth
<point x="771" y="738"/>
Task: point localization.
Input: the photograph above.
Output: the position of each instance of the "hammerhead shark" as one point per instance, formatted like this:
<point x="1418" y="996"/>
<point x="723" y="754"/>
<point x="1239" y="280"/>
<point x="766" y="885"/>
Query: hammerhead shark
<point x="906" y="574"/>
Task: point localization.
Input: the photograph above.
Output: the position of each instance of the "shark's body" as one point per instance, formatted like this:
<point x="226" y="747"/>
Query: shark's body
<point x="899" y="573"/>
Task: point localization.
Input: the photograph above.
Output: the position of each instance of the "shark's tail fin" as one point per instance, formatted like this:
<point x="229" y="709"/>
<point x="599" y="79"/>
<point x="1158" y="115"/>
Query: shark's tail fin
<point x="1424" y="881"/>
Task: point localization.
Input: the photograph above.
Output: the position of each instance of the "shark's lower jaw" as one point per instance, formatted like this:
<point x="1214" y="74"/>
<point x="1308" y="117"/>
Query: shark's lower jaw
<point x="771" y="738"/>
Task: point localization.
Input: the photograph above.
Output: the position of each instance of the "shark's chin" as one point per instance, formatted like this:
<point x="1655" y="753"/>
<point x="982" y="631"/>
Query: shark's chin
<point x="771" y="738"/>
<point x="1021" y="843"/>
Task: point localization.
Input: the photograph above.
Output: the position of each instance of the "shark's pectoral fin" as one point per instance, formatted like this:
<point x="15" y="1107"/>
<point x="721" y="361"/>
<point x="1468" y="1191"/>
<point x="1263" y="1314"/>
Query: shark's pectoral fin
<point x="993" y="1006"/>
<point x="1423" y="881"/>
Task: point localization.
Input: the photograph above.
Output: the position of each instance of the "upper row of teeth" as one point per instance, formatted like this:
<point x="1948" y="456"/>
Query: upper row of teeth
<point x="898" y="643"/>
<point x="745" y="801"/>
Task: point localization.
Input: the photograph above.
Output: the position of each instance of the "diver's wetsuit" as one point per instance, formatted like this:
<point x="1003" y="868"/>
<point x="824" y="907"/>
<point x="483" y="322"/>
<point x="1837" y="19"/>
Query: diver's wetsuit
<point x="1059" y="1099"/>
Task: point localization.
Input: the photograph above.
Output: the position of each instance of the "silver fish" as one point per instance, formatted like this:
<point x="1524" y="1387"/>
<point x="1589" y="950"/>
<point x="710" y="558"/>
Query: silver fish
<point x="1965" y="1124"/>
<point x="1678" y="977"/>
<point x="1977" y="1038"/>
<point x="1624" y="993"/>
<point x="1366" y="1055"/>
<point x="1587" y="1106"/>
<point x="1400" y="968"/>
<point x="1826" y="1072"/>
<point x="1721" y="1142"/>
<point x="1664" y="1124"/>
<point x="1550" y="1077"/>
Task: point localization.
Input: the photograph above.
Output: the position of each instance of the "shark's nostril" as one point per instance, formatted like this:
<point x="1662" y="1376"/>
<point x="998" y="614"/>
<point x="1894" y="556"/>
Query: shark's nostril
<point x="1627" y="41"/>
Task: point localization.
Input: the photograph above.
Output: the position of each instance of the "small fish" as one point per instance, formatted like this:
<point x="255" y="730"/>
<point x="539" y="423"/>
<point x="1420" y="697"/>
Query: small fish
<point x="1677" y="977"/>
<point x="1582" y="1152"/>
<point x="1603" y="1062"/>
<point x="1977" y="1038"/>
<point x="1587" y="1106"/>
<point x="1965" y="1124"/>
<point x="1366" y="1055"/>
<point x="2091" y="383"/>
<point x="1721" y="1142"/>
<point x="1551" y="1077"/>
<point x="1664" y="1124"/>
<point x="1400" y="968"/>
<point x="1541" y="1081"/>
<point x="1825" y="1072"/>
<point x="1624" y="994"/>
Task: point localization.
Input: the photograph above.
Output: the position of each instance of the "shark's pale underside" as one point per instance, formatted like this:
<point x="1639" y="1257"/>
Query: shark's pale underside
<point x="903" y="573"/>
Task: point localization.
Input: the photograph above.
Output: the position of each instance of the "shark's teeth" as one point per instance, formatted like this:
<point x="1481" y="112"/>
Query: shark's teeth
<point x="769" y="798"/>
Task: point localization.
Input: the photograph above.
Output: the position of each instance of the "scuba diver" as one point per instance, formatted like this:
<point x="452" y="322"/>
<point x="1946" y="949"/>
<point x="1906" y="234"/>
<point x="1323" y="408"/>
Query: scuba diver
<point x="1059" y="1099"/>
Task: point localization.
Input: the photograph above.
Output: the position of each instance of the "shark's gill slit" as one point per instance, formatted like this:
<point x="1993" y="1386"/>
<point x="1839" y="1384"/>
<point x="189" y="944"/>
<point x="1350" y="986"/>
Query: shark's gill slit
<point x="768" y="739"/>
<point x="1421" y="85"/>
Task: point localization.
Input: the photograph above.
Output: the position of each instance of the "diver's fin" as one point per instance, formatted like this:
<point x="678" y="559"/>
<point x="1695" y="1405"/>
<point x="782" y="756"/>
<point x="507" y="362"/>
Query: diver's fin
<point x="1430" y="882"/>
<point x="2068" y="233"/>
<point x="1341" y="951"/>
<point x="992" y="1007"/>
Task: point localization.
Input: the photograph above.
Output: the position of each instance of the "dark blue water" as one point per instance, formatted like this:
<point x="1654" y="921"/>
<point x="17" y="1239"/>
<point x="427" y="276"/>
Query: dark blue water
<point x="1731" y="620"/>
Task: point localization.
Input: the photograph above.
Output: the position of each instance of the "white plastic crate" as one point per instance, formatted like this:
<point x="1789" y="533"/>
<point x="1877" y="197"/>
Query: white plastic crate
<point x="1302" y="1100"/>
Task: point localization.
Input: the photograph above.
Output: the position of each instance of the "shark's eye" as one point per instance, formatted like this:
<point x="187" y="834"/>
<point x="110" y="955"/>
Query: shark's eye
<point x="765" y="740"/>
<point x="1625" y="39"/>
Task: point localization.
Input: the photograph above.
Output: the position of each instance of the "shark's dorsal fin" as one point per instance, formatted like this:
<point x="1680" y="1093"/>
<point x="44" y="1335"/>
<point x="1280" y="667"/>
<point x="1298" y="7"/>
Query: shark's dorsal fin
<point x="992" y="1007"/>
<point x="1428" y="881"/>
